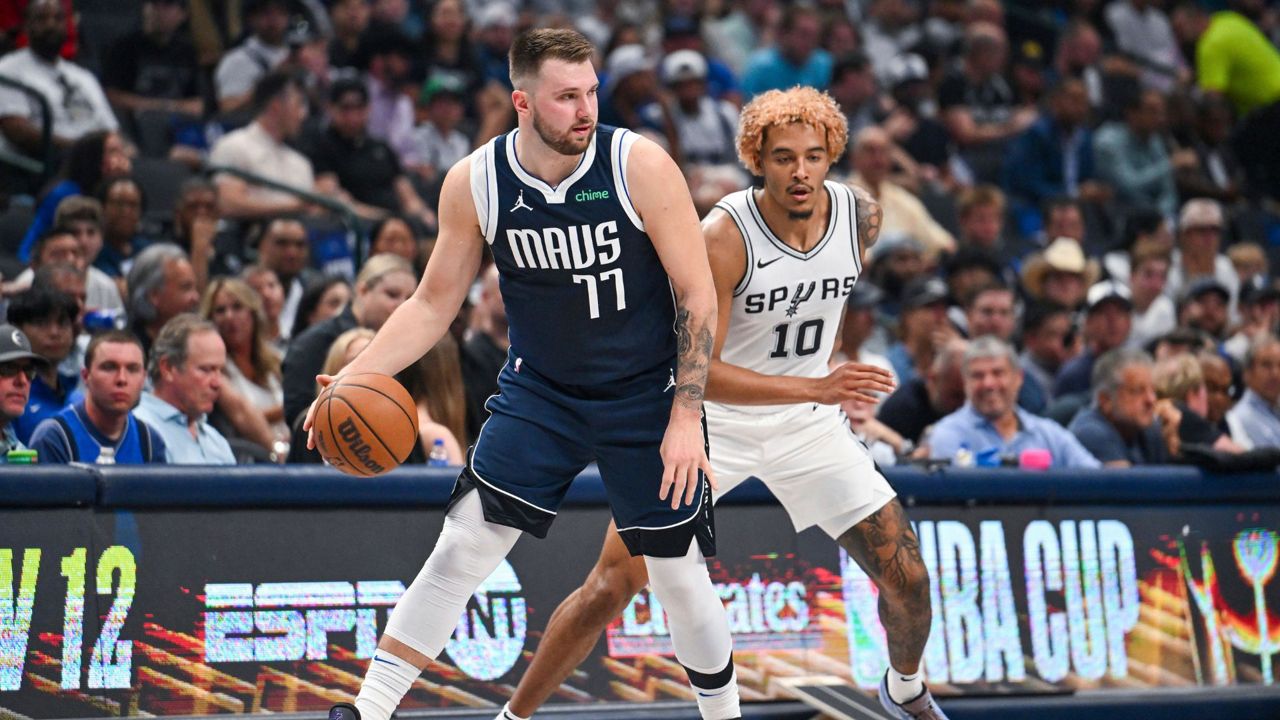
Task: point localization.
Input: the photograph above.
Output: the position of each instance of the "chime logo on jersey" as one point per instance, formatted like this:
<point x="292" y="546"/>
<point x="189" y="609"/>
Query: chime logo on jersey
<point x="573" y="248"/>
<point x="792" y="296"/>
<point x="589" y="195"/>
<point x="490" y="636"/>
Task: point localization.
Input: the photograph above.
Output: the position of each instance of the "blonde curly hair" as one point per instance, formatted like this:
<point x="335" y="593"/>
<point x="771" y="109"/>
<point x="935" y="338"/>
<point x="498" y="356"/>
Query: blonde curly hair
<point x="800" y="104"/>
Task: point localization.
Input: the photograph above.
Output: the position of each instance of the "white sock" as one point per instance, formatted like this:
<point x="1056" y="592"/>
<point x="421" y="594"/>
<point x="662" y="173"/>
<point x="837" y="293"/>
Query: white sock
<point x="507" y="714"/>
<point x="903" y="688"/>
<point x="719" y="703"/>
<point x="385" y="685"/>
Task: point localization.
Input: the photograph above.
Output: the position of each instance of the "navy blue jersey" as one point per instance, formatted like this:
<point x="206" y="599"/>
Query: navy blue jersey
<point x="588" y="301"/>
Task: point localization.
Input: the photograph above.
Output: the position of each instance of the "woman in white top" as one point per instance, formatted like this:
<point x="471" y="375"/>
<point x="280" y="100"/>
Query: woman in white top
<point x="253" y="365"/>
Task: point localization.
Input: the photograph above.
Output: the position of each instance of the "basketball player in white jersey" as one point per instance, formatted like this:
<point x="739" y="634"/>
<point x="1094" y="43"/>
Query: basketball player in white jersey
<point x="784" y="258"/>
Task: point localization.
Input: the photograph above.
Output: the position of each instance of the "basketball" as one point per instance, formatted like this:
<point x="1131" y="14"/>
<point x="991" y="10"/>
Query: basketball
<point x="366" y="424"/>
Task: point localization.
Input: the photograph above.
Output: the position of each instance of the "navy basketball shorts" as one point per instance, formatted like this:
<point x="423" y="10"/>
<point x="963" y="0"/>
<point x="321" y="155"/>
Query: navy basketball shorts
<point x="540" y="435"/>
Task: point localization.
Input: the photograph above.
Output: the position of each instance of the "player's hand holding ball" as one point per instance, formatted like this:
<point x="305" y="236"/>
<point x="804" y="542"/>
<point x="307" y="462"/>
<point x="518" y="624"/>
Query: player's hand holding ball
<point x="364" y="424"/>
<point x="854" y="381"/>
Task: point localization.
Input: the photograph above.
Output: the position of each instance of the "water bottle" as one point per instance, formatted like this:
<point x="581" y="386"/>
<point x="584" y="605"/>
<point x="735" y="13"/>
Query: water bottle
<point x="964" y="457"/>
<point x="107" y="455"/>
<point x="438" y="457"/>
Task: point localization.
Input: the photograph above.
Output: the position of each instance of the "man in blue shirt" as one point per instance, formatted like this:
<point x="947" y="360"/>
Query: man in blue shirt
<point x="49" y="319"/>
<point x="1255" y="420"/>
<point x="186" y="375"/>
<point x="990" y="425"/>
<point x="1126" y="425"/>
<point x="17" y="366"/>
<point x="101" y="428"/>
<point x="797" y="59"/>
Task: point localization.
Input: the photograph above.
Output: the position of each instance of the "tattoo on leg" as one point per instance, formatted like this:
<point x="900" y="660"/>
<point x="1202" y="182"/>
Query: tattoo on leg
<point x="887" y="549"/>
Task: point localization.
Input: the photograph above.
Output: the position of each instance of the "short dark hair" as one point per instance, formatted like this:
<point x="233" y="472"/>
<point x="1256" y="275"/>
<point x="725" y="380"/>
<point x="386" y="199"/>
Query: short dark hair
<point x="996" y="285"/>
<point x="1037" y="315"/>
<point x="273" y="85"/>
<point x="123" y="337"/>
<point x="854" y="62"/>
<point x="55" y="231"/>
<point x="536" y="46"/>
<point x="40" y="303"/>
<point x="347" y="85"/>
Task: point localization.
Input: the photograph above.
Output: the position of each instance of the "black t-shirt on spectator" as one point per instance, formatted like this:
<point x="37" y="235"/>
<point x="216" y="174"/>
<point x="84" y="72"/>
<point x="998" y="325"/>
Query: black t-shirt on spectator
<point x="1195" y="429"/>
<point x="908" y="410"/>
<point x="366" y="168"/>
<point x="482" y="360"/>
<point x="136" y="64"/>
<point x="989" y="102"/>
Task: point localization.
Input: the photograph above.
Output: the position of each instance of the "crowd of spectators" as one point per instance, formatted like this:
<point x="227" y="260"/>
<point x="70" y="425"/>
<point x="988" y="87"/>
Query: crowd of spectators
<point x="1081" y="209"/>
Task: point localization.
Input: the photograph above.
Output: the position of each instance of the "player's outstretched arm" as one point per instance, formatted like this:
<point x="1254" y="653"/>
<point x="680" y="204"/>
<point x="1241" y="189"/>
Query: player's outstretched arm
<point x="740" y="386"/>
<point x="416" y="326"/>
<point x="662" y="200"/>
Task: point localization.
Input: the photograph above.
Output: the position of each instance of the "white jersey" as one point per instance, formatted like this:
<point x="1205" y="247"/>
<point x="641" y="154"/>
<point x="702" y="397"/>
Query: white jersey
<point x="788" y="306"/>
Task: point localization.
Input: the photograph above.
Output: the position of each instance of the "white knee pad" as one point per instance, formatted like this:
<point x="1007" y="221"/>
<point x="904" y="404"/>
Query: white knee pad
<point x="468" y="550"/>
<point x="699" y="628"/>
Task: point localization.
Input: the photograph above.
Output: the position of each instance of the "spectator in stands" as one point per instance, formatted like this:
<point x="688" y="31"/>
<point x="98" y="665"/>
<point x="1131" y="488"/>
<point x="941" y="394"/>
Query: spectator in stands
<point x="61" y="245"/>
<point x="1062" y="216"/>
<point x="1108" y="320"/>
<point x="967" y="270"/>
<point x="18" y="366"/>
<point x="1200" y="227"/>
<point x="911" y="122"/>
<point x="890" y="28"/>
<point x="66" y="279"/>
<point x="186" y="370"/>
<point x="154" y="68"/>
<point x="1142" y="31"/>
<point x="630" y="86"/>
<point x="438" y="141"/>
<point x="796" y="59"/>
<point x="162" y="285"/>
<point x="384" y="282"/>
<point x="1204" y="307"/>
<point x="981" y="213"/>
<point x="1055" y="155"/>
<point x="350" y="19"/>
<point x="1132" y="157"/>
<point x="495" y="31"/>
<point x="253" y="365"/>
<point x="1079" y="56"/>
<point x="101" y="427"/>
<point x="1061" y="274"/>
<point x="922" y="401"/>
<point x="924" y="328"/>
<point x="990" y="425"/>
<point x="977" y="104"/>
<point x="1127" y="425"/>
<point x="357" y="168"/>
<point x="1255" y="420"/>
<point x="702" y="129"/>
<point x="853" y="85"/>
<point x="1260" y="315"/>
<point x="436" y="386"/>
<point x="1153" y="311"/>
<point x="1235" y="60"/>
<point x="393" y="234"/>
<point x="75" y="98"/>
<point x="1218" y="173"/>
<point x="1219" y="384"/>
<point x="195" y="230"/>
<point x="1047" y="342"/>
<point x="84" y="218"/>
<point x="1144" y="227"/>
<point x="387" y="57"/>
<point x="484" y="349"/>
<point x="244" y="66"/>
<point x="1250" y="263"/>
<point x="860" y="326"/>
<point x="1180" y="380"/>
<point x="122" y="208"/>
<point x="322" y="300"/>
<point x="266" y="284"/>
<point x="90" y="159"/>
<point x="903" y="211"/>
<point x="284" y="249"/>
<point x="280" y="107"/>
<point x="50" y="320"/>
<point x="991" y="310"/>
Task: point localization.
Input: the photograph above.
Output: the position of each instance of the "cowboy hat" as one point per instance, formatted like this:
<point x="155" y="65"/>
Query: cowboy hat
<point x="1062" y="255"/>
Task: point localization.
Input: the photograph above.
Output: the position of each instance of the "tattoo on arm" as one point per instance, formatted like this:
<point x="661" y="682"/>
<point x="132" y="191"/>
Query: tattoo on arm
<point x="869" y="216"/>
<point x="693" y="359"/>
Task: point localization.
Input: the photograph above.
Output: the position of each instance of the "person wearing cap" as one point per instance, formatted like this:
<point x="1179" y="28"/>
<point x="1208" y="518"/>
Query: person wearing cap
<point x="263" y="51"/>
<point x="101" y="428"/>
<point x="1127" y="425"/>
<point x="154" y="68"/>
<point x="630" y="84"/>
<point x="702" y="128"/>
<point x="49" y="320"/>
<point x="1200" y="226"/>
<point x="1260" y="315"/>
<point x="683" y="32"/>
<point x="1255" y="420"/>
<point x="357" y="168"/>
<point x="18" y="365"/>
<point x="894" y="262"/>
<point x="796" y="59"/>
<point x="1108" y="318"/>
<point x="924" y="324"/>
<point x="872" y="159"/>
<point x="991" y="425"/>
<point x="495" y="28"/>
<point x="1060" y="274"/>
<point x="439" y="142"/>
<point x="1203" y="307"/>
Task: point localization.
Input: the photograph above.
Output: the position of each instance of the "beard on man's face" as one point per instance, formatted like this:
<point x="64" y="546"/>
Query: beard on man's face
<point x="565" y="144"/>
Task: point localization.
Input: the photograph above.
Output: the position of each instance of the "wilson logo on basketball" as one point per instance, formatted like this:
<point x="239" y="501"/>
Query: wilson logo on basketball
<point x="359" y="448"/>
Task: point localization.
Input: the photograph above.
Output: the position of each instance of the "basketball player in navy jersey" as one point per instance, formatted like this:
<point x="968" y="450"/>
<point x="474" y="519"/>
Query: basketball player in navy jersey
<point x="784" y="258"/>
<point x="597" y="246"/>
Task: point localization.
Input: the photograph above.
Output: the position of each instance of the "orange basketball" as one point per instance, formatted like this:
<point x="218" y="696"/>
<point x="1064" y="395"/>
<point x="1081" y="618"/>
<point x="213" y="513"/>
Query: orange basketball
<point x="366" y="424"/>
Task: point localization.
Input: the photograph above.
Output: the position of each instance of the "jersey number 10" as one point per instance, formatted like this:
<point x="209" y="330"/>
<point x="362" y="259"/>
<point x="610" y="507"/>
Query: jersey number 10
<point x="593" y="295"/>
<point x="808" y="337"/>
